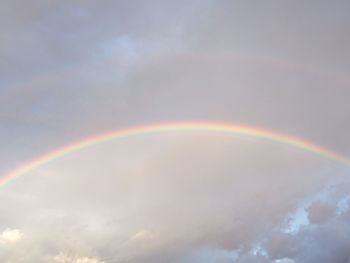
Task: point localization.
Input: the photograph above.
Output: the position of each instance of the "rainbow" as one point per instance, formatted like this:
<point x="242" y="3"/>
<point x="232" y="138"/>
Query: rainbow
<point x="236" y="129"/>
<point x="41" y="82"/>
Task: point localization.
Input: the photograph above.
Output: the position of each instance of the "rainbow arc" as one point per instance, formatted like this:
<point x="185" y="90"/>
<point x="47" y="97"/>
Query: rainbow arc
<point x="236" y="129"/>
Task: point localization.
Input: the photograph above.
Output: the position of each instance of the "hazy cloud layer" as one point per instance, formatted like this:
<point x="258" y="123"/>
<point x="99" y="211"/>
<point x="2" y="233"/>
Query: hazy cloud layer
<point x="72" y="69"/>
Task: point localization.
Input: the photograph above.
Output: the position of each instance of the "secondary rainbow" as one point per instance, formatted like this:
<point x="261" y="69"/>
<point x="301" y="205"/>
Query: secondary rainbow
<point x="237" y="129"/>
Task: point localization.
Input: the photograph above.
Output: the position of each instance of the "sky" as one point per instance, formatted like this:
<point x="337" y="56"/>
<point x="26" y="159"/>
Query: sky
<point x="73" y="69"/>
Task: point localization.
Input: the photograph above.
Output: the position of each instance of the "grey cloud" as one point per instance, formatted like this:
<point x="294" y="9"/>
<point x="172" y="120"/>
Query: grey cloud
<point x="69" y="70"/>
<point x="319" y="213"/>
<point x="325" y="240"/>
<point x="176" y="195"/>
<point x="313" y="32"/>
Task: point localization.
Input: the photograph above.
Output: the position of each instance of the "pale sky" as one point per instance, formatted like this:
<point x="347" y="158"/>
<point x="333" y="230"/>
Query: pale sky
<point x="74" y="69"/>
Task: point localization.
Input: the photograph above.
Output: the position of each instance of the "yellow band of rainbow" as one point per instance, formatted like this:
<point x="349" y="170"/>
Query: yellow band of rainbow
<point x="237" y="129"/>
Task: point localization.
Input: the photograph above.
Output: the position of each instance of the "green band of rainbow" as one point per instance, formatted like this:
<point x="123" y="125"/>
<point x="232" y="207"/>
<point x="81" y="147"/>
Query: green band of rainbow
<point x="172" y="127"/>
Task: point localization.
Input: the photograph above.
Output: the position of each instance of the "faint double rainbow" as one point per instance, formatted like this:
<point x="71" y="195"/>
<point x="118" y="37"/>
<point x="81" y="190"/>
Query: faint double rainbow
<point x="235" y="129"/>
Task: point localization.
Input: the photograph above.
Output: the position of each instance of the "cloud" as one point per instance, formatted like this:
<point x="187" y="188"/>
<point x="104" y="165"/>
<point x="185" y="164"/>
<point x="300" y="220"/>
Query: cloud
<point x="324" y="240"/>
<point x="143" y="235"/>
<point x="62" y="258"/>
<point x="319" y="213"/>
<point x="166" y="197"/>
<point x="70" y="70"/>
<point x="285" y="260"/>
<point x="11" y="235"/>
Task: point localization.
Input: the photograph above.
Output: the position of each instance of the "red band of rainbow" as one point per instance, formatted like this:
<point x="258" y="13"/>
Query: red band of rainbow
<point x="237" y="129"/>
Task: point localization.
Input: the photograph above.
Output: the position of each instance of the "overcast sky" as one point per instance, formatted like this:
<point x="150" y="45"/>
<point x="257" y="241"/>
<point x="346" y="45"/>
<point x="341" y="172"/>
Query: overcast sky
<point x="71" y="69"/>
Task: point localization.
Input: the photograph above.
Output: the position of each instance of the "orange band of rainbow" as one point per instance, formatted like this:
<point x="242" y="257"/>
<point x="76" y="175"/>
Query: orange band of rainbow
<point x="172" y="127"/>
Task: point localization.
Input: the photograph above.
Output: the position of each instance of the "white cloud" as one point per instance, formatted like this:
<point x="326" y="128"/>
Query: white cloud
<point x="11" y="235"/>
<point x="143" y="235"/>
